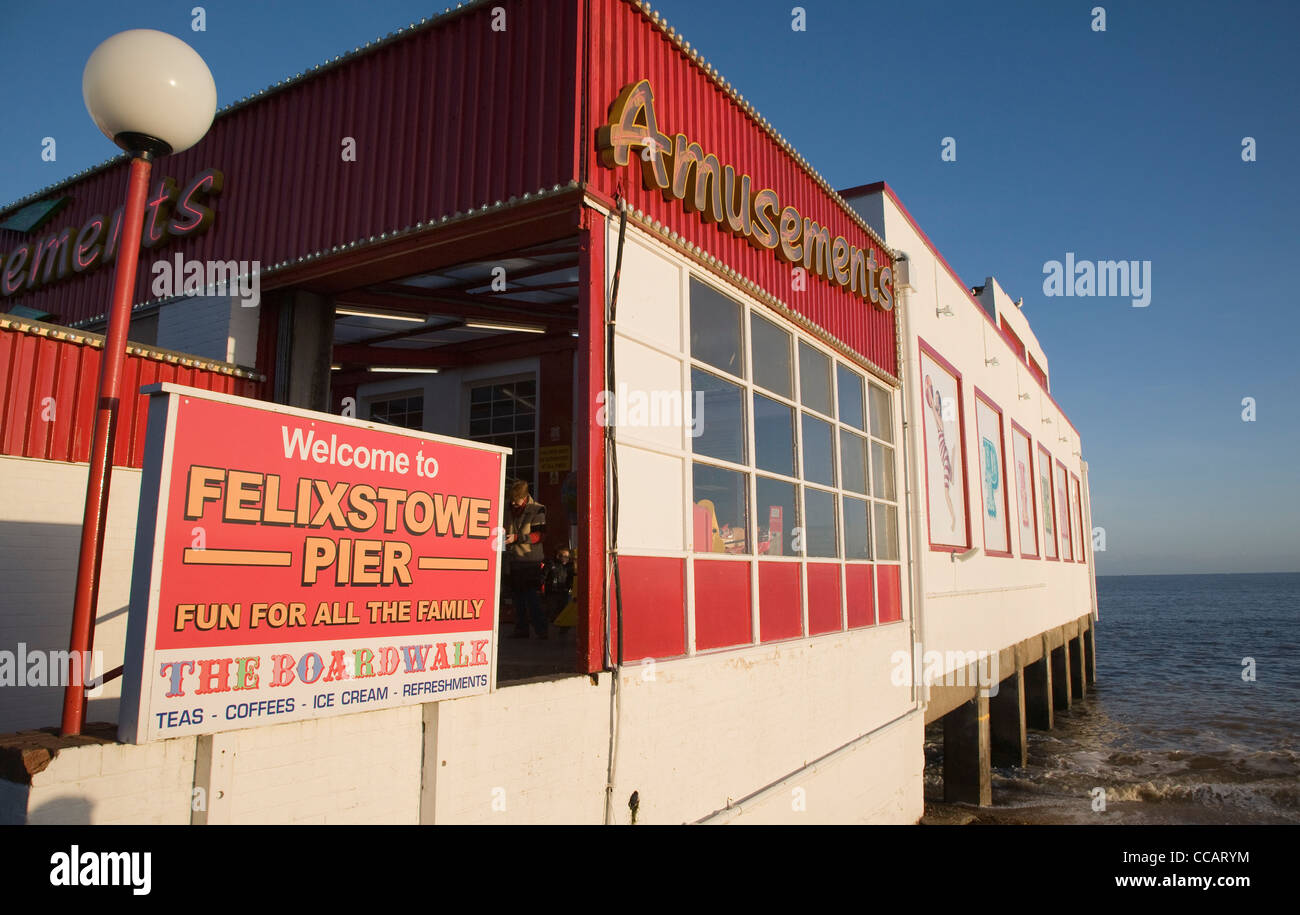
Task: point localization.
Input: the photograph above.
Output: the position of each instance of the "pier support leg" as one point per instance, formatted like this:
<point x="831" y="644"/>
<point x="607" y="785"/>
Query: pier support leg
<point x="1037" y="678"/>
<point x="1061" y="677"/>
<point x="1076" y="668"/>
<point x="1090" y="656"/>
<point x="1007" y="722"/>
<point x="966" y="775"/>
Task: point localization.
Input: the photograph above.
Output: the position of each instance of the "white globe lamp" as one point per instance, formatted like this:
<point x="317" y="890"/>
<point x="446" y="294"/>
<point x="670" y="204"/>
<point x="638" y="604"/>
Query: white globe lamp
<point x="149" y="92"/>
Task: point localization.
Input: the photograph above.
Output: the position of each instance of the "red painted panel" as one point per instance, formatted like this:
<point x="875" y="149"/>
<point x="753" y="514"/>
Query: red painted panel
<point x="889" y="589"/>
<point x="823" y="597"/>
<point x="722" y="612"/>
<point x="780" y="602"/>
<point x="654" y="607"/>
<point x="1013" y="339"/>
<point x="49" y="388"/>
<point x="626" y="47"/>
<point x="859" y="596"/>
<point x="17" y="406"/>
<point x="591" y="555"/>
<point x="447" y="117"/>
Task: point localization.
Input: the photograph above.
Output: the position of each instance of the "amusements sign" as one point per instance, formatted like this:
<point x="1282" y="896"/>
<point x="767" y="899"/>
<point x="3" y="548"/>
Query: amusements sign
<point x="293" y="565"/>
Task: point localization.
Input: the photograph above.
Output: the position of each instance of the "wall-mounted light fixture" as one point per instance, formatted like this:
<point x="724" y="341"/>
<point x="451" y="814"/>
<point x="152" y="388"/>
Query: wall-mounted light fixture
<point x="992" y="361"/>
<point x="945" y="310"/>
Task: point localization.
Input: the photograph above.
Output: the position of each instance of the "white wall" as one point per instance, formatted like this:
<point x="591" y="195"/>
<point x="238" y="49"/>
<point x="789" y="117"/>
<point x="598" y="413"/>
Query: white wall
<point x="41" y="508"/>
<point x="984" y="602"/>
<point x="212" y="326"/>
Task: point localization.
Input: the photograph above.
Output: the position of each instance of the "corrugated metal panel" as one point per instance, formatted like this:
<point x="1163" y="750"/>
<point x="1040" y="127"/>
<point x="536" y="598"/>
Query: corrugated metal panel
<point x="48" y="388"/>
<point x="624" y="47"/>
<point x="448" y="117"/>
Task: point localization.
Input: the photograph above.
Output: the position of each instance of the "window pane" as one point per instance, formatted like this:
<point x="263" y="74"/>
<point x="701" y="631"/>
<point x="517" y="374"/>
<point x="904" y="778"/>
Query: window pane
<point x="773" y="436"/>
<point x="819" y="532"/>
<point x="850" y="391"/>
<point x="715" y="329"/>
<point x="771" y="347"/>
<point x="886" y="531"/>
<point x="882" y="472"/>
<point x="721" y="517"/>
<point x="777" y="517"/>
<point x="853" y="461"/>
<point x="721" y="423"/>
<point x="814" y="379"/>
<point x="882" y="417"/>
<point x="857" y="528"/>
<point x="818" y="451"/>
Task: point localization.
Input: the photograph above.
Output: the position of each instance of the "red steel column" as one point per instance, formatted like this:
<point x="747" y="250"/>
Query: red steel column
<point x="82" y="640"/>
<point x="590" y="459"/>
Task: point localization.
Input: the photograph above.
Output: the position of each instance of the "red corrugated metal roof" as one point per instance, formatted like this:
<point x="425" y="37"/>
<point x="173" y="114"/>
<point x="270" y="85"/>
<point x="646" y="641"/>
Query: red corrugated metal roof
<point x="447" y="118"/>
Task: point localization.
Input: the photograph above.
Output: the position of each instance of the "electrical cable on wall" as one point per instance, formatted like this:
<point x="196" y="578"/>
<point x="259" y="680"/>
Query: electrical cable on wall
<point x="611" y="456"/>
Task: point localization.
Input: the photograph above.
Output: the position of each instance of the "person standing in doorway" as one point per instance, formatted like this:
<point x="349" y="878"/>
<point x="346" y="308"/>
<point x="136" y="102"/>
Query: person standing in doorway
<point x="557" y="582"/>
<point x="525" y="524"/>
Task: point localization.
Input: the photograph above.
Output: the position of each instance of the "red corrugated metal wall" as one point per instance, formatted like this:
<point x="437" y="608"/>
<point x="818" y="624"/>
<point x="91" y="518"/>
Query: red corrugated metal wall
<point x="447" y="118"/>
<point x="48" y="388"/>
<point x="624" y="47"/>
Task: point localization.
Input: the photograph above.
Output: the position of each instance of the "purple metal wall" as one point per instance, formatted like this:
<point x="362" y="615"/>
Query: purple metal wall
<point x="447" y="117"/>
<point x="48" y="387"/>
<point x="624" y="46"/>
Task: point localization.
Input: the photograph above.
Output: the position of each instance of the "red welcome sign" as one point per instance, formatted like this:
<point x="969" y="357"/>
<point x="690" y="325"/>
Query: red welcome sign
<point x="292" y="564"/>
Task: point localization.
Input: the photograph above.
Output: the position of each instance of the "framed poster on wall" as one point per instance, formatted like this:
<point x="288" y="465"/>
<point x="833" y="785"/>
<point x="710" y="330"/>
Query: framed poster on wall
<point x="1063" y="512"/>
<point x="994" y="511"/>
<point x="1026" y="495"/>
<point x="945" y="471"/>
<point x="1048" y="501"/>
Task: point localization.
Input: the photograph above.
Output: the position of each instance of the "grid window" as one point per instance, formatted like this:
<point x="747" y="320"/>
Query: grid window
<point x="857" y="528"/>
<point x="820" y="534"/>
<point x="773" y="436"/>
<point x="772" y="364"/>
<point x="406" y="411"/>
<point x="721" y="521"/>
<point x="715" y="329"/>
<point x="815" y="379"/>
<point x="853" y="461"/>
<point x="818" y="450"/>
<point x="777" y="516"/>
<point x="797" y="455"/>
<point x="505" y="413"/>
<point x="722" y="417"/>
<point x="852" y="409"/>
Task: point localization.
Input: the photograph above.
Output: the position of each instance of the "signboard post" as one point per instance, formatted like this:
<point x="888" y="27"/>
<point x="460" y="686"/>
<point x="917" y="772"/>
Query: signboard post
<point x="292" y="564"/>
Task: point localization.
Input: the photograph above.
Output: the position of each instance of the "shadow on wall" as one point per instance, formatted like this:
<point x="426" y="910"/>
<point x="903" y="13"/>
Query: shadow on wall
<point x="38" y="571"/>
<point x="73" y="810"/>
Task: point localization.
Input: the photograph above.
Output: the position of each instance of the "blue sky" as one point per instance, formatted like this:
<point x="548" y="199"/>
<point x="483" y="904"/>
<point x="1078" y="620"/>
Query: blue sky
<point x="1123" y="144"/>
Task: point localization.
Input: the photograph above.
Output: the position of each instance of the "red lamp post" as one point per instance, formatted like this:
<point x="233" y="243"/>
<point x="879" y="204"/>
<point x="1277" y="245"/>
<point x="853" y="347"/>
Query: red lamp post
<point x="151" y="94"/>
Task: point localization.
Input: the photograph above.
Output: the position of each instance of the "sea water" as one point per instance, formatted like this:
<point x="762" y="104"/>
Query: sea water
<point x="1195" y="717"/>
